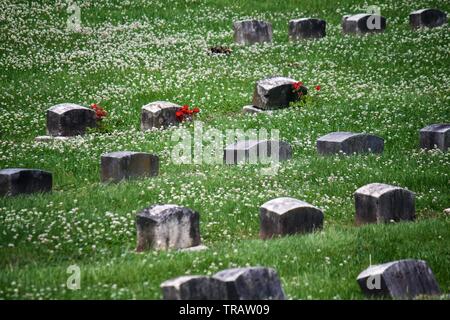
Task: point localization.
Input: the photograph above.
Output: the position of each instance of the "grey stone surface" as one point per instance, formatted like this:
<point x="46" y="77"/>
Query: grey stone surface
<point x="363" y="23"/>
<point x="378" y="203"/>
<point x="288" y="216"/>
<point x="117" y="166"/>
<point x="16" y="181"/>
<point x="167" y="226"/>
<point x="435" y="136"/>
<point x="447" y="211"/>
<point x="275" y="93"/>
<point x="256" y="151"/>
<point x="194" y="288"/>
<point x="349" y="143"/>
<point x="427" y="18"/>
<point x="50" y="138"/>
<point x="403" y="279"/>
<point x="252" y="31"/>
<point x="158" y="114"/>
<point x="252" y="283"/>
<point x="253" y="110"/>
<point x="68" y="119"/>
<point x="306" y="28"/>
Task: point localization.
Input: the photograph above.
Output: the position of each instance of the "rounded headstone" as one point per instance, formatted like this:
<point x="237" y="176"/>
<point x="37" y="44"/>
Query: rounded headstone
<point x="435" y="136"/>
<point x="167" y="226"/>
<point x="117" y="166"/>
<point x="275" y="93"/>
<point x="288" y="216"/>
<point x="16" y="181"/>
<point x="252" y="31"/>
<point x="403" y="279"/>
<point x="363" y="23"/>
<point x="158" y="114"/>
<point x="194" y="288"/>
<point x="306" y="28"/>
<point x="252" y="283"/>
<point x="378" y="203"/>
<point x="427" y="18"/>
<point x="349" y="143"/>
<point x="257" y="151"/>
<point x="68" y="119"/>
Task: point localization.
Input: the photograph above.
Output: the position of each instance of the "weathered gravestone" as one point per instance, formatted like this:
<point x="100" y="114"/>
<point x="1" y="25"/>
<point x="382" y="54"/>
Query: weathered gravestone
<point x="252" y="283"/>
<point x="435" y="136"/>
<point x="349" y="143"/>
<point x="69" y="119"/>
<point x="275" y="93"/>
<point x="194" y="288"/>
<point x="306" y="28"/>
<point x="427" y="18"/>
<point x="363" y="23"/>
<point x="159" y="114"/>
<point x="117" y="166"/>
<point x="403" y="279"/>
<point x="378" y="203"/>
<point x="254" y="110"/>
<point x="288" y="216"/>
<point x="252" y="31"/>
<point x="167" y="226"/>
<point x="24" y="181"/>
<point x="257" y="151"/>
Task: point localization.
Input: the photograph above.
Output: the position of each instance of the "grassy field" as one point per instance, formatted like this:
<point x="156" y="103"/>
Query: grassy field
<point x="130" y="53"/>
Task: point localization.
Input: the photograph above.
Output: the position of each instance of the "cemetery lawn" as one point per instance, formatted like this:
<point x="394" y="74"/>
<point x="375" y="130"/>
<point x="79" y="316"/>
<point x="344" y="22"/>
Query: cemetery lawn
<point x="132" y="53"/>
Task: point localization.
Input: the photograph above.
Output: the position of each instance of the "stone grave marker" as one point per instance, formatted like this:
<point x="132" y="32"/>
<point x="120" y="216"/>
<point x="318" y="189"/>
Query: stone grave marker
<point x="158" y="114"/>
<point x="363" y="23"/>
<point x="251" y="283"/>
<point x="403" y="279"/>
<point x="378" y="203"/>
<point x="429" y="18"/>
<point x="194" y="288"/>
<point x="68" y="119"/>
<point x="16" y="181"/>
<point x="349" y="143"/>
<point x="120" y="165"/>
<point x="306" y="28"/>
<point x="435" y="136"/>
<point x="288" y="216"/>
<point x="164" y="227"/>
<point x="252" y="31"/>
<point x="257" y="151"/>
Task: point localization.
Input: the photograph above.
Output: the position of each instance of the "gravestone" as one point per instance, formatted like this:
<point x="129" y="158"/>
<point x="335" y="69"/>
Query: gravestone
<point x="378" y="203"/>
<point x="194" y="288"/>
<point x="363" y="23"/>
<point x="349" y="143"/>
<point x="167" y="226"/>
<point x="117" y="166"/>
<point x="427" y="18"/>
<point x="435" y="136"/>
<point x="252" y="283"/>
<point x="306" y="28"/>
<point x="403" y="279"/>
<point x="68" y="119"/>
<point x="15" y="181"/>
<point x="252" y="31"/>
<point x="275" y="93"/>
<point x="288" y="216"/>
<point x="158" y="114"/>
<point x="257" y="151"/>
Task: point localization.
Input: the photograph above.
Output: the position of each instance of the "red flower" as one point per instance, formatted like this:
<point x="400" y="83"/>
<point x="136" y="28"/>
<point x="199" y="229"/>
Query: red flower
<point x="297" y="85"/>
<point x="317" y="88"/>
<point x="196" y="110"/>
<point x="100" y="113"/>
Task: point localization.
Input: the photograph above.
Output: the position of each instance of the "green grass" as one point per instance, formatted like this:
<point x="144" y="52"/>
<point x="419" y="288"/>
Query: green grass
<point x="390" y="84"/>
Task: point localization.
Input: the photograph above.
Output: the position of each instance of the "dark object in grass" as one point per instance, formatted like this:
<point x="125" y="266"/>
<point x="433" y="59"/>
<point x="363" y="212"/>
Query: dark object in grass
<point x="363" y="23"/>
<point x="435" y="136"/>
<point x="69" y="119"/>
<point x="220" y="50"/>
<point x="121" y="165"/>
<point x="14" y="182"/>
<point x="306" y="28"/>
<point x="429" y="18"/>
<point x="349" y="143"/>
